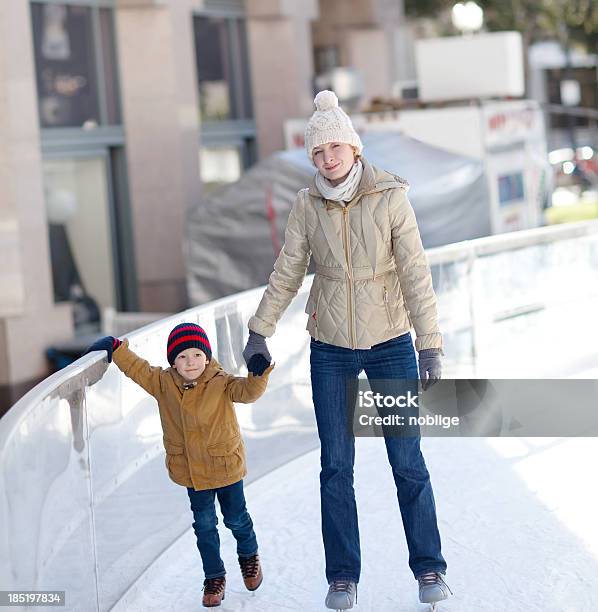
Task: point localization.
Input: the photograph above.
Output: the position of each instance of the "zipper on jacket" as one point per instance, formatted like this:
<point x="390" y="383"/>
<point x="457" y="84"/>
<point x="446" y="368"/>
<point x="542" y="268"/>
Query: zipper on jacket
<point x="350" y="281"/>
<point x="315" y="315"/>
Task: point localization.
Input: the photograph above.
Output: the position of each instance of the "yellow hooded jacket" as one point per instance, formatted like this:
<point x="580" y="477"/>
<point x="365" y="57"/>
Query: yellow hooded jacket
<point x="202" y="438"/>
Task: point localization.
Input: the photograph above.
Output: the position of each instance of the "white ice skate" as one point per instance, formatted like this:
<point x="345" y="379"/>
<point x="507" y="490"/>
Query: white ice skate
<point x="342" y="595"/>
<point x="432" y="588"/>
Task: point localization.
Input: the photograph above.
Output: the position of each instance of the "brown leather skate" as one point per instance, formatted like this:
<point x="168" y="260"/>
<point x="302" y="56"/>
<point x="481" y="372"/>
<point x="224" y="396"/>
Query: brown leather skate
<point x="252" y="572"/>
<point x="213" y="591"/>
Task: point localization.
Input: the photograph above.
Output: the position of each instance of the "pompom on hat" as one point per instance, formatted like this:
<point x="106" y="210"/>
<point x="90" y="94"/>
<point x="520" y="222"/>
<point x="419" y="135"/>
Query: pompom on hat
<point x="329" y="123"/>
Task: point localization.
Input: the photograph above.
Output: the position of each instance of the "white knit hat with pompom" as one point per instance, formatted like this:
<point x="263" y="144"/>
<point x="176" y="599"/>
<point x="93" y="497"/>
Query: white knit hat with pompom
<point x="329" y="123"/>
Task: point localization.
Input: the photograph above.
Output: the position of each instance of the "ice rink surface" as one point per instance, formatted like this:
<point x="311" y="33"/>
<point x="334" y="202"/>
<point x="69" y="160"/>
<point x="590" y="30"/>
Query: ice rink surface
<point x="516" y="516"/>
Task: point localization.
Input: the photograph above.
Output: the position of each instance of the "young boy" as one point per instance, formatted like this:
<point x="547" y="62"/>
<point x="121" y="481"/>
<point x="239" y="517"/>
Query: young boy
<point x="202" y="438"/>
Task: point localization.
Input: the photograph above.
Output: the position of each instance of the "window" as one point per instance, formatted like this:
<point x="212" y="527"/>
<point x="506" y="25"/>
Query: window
<point x="219" y="165"/>
<point x="225" y="105"/>
<point x="586" y="77"/>
<point x="326" y="58"/>
<point x="79" y="223"/>
<point x="75" y="65"/>
<point x="84" y="170"/>
<point x="222" y="68"/>
<point x="510" y="188"/>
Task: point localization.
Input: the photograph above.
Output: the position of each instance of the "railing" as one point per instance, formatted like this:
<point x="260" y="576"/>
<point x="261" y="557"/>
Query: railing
<point x="520" y="305"/>
<point x="81" y="455"/>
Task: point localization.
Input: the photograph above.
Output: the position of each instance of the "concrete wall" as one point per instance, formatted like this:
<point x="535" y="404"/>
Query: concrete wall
<point x="36" y="322"/>
<point x="156" y="65"/>
<point x="281" y="65"/>
<point x="368" y="35"/>
<point x="159" y="101"/>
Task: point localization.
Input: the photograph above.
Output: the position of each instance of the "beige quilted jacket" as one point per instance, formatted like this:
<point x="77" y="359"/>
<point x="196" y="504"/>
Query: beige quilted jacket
<point x="372" y="279"/>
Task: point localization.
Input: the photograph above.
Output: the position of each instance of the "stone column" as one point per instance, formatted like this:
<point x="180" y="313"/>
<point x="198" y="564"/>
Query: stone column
<point x="161" y="120"/>
<point x="281" y="64"/>
<point x="29" y="319"/>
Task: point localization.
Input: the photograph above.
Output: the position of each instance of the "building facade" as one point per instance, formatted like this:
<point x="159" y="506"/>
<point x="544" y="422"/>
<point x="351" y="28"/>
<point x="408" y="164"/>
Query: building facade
<point x="115" y="116"/>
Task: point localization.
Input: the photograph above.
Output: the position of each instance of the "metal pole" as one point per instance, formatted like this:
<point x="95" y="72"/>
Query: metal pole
<point x="569" y="76"/>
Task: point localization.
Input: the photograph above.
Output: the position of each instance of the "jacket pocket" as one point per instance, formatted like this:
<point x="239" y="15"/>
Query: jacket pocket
<point x="403" y="306"/>
<point x="227" y="457"/>
<point x="176" y="461"/>
<point x="312" y="311"/>
<point x="391" y="321"/>
<point x="173" y="449"/>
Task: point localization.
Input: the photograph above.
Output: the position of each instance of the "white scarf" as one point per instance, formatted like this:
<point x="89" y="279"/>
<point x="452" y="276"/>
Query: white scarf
<point x="345" y="191"/>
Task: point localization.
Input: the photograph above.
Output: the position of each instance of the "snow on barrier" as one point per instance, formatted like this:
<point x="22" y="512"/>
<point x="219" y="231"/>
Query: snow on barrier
<point x="81" y="457"/>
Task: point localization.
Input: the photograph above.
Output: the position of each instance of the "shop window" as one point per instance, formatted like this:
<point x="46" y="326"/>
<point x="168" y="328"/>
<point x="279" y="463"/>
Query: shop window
<point x="75" y="65"/>
<point x="222" y="68"/>
<point x="220" y="165"/>
<point x="79" y="222"/>
<point x="326" y="58"/>
<point x="588" y="86"/>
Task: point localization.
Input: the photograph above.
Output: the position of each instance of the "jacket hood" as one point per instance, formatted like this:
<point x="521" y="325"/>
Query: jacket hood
<point x="373" y="180"/>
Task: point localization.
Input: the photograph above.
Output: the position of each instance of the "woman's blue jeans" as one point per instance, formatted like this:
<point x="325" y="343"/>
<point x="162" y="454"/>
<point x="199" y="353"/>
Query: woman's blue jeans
<point x="334" y="371"/>
<point x="236" y="518"/>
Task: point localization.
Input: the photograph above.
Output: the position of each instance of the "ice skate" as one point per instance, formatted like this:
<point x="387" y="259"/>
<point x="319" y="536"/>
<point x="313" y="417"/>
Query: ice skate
<point x="432" y="589"/>
<point x="342" y="595"/>
<point x="252" y="572"/>
<point x="213" y="591"/>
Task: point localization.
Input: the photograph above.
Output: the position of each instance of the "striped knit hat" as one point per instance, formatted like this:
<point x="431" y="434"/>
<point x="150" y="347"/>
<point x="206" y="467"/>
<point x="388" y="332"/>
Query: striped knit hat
<point x="184" y="336"/>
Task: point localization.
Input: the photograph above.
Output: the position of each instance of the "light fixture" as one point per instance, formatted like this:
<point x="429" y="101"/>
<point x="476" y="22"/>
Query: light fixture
<point x="568" y="167"/>
<point x="467" y="17"/>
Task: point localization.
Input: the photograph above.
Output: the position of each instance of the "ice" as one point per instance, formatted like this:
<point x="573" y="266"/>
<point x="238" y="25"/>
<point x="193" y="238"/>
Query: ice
<point x="511" y="535"/>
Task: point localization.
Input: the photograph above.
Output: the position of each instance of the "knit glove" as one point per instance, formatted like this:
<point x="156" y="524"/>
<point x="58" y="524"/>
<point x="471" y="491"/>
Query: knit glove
<point x="107" y="343"/>
<point x="430" y="367"/>
<point x="258" y="364"/>
<point x="256" y="345"/>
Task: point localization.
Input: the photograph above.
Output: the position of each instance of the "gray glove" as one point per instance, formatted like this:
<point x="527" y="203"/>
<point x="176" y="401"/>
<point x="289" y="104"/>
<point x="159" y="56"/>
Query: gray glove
<point x="256" y="345"/>
<point x="430" y="367"/>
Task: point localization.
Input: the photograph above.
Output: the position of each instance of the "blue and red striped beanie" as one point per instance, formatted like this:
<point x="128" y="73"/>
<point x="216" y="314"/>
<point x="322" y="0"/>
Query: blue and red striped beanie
<point x="184" y="336"/>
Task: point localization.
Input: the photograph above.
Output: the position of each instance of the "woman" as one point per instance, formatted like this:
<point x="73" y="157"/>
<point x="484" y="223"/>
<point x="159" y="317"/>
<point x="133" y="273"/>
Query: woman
<point x="372" y="282"/>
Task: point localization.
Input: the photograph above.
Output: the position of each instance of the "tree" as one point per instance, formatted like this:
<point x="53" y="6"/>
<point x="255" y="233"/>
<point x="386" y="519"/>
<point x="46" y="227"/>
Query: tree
<point x="535" y="19"/>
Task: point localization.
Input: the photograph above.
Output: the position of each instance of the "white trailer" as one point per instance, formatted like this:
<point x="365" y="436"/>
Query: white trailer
<point x="508" y="136"/>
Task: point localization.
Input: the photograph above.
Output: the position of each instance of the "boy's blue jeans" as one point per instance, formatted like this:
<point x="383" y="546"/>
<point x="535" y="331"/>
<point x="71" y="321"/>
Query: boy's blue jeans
<point x="333" y="370"/>
<point x="236" y="518"/>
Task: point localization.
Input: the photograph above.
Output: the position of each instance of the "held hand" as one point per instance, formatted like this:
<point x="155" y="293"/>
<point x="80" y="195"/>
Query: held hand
<point x="258" y="364"/>
<point x="107" y="343"/>
<point x="256" y="345"/>
<point x="430" y="367"/>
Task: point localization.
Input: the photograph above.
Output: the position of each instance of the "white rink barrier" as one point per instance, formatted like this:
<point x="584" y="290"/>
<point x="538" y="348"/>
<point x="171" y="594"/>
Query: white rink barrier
<point x="81" y="456"/>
